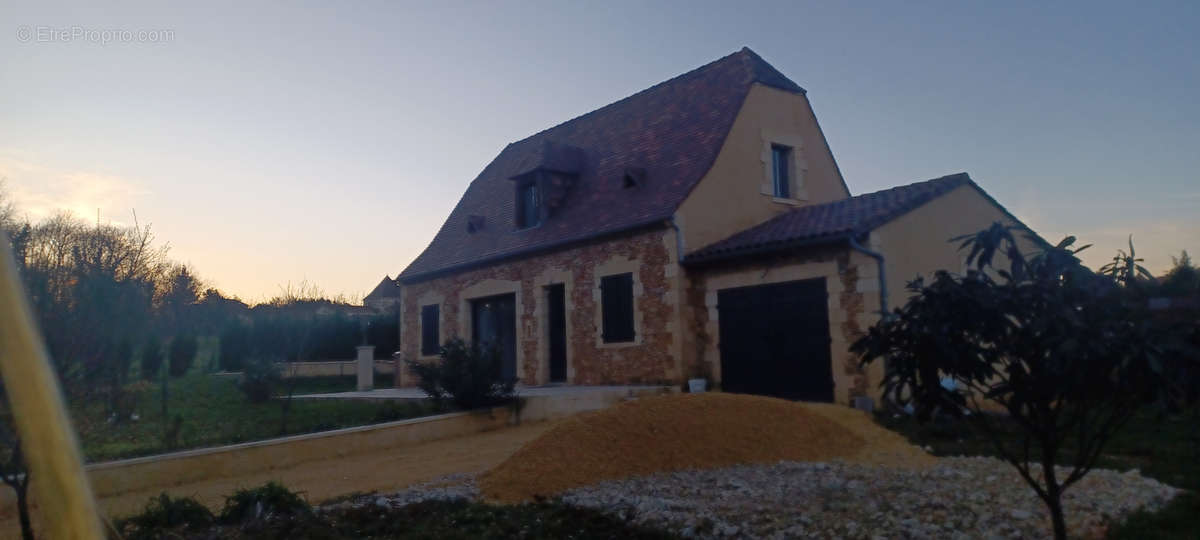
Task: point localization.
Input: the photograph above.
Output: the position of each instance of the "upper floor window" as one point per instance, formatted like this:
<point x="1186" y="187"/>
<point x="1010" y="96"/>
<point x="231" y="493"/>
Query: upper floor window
<point x="781" y="178"/>
<point x="529" y="205"/>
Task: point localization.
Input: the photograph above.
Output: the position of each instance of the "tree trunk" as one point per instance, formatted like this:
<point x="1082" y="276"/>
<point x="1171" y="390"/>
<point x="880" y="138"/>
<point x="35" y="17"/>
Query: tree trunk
<point x="23" y="511"/>
<point x="1053" y="496"/>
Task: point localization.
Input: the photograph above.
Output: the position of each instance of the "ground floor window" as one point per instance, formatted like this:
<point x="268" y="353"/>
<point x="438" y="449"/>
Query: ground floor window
<point x="616" y="298"/>
<point x="430" y="338"/>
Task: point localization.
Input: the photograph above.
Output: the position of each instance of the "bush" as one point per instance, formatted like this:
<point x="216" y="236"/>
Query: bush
<point x="468" y="377"/>
<point x="259" y="378"/>
<point x="266" y="501"/>
<point x="164" y="513"/>
<point x="182" y="353"/>
<point x="152" y="357"/>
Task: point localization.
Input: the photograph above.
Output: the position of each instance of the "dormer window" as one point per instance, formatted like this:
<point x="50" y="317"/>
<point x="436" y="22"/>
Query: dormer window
<point x="529" y="205"/>
<point x="781" y="178"/>
<point x="633" y="177"/>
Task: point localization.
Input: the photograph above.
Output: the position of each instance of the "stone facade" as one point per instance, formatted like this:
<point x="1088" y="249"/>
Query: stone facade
<point x="653" y="357"/>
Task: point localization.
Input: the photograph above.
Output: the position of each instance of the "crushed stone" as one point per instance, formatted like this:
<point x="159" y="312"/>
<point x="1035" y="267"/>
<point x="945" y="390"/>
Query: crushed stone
<point x="691" y="431"/>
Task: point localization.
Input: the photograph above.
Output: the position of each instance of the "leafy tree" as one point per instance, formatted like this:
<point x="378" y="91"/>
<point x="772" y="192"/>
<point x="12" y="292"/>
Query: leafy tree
<point x="1183" y="279"/>
<point x="179" y="299"/>
<point x="151" y="358"/>
<point x="383" y="331"/>
<point x="1068" y="354"/>
<point x="467" y="376"/>
<point x="118" y="363"/>
<point x="182" y="353"/>
<point x="235" y="347"/>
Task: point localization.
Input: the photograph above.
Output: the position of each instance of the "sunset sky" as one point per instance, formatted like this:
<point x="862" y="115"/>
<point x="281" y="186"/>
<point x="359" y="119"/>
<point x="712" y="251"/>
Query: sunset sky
<point x="327" y="141"/>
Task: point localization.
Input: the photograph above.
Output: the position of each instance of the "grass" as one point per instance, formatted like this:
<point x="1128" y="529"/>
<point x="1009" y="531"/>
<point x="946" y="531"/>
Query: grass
<point x="214" y="412"/>
<point x="1166" y="448"/>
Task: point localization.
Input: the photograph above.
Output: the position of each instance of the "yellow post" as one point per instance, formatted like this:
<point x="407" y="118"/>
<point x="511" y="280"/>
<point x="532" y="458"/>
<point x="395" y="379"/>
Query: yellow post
<point x="59" y="484"/>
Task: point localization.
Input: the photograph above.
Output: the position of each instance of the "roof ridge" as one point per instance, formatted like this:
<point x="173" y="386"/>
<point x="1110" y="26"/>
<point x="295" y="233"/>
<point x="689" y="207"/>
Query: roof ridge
<point x="744" y="52"/>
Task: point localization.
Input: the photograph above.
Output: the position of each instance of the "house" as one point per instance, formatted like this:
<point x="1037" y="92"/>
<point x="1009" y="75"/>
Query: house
<point x="385" y="297"/>
<point x="698" y="227"/>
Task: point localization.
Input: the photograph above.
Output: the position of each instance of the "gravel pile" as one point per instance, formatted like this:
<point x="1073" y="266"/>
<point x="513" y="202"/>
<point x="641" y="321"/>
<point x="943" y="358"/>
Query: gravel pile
<point x="957" y="498"/>
<point x="687" y="432"/>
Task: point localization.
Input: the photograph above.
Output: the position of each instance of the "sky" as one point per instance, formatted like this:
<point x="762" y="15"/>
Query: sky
<point x="325" y="142"/>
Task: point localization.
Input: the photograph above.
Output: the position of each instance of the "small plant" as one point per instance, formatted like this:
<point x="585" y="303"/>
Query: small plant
<point x="261" y="503"/>
<point x="259" y="379"/>
<point x="163" y="513"/>
<point x="182" y="353"/>
<point x="469" y="377"/>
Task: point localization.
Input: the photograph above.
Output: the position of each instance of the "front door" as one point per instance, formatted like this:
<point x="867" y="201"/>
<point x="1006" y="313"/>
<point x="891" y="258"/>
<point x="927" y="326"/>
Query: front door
<point x="556" y="321"/>
<point x="494" y="325"/>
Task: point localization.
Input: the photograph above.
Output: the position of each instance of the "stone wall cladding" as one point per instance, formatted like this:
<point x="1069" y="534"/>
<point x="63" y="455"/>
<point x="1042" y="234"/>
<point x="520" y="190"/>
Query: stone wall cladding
<point x="649" y="361"/>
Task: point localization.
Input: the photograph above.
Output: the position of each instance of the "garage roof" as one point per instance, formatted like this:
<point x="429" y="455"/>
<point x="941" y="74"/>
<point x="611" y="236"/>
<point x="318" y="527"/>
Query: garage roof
<point x="831" y="222"/>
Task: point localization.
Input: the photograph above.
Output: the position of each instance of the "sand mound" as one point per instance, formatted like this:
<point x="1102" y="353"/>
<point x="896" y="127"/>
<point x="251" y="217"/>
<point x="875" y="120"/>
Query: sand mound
<point x="690" y="431"/>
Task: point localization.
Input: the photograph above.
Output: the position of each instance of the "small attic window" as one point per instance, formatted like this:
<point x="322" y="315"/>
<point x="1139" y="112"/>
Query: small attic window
<point x="633" y="177"/>
<point x="529" y="205"/>
<point x="474" y="223"/>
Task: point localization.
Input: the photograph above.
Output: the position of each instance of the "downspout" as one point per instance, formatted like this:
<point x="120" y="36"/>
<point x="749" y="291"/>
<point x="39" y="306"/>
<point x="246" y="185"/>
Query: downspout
<point x="678" y="241"/>
<point x="883" y="291"/>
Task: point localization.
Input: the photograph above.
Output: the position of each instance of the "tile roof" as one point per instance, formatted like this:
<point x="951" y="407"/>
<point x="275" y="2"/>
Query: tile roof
<point x="829" y="222"/>
<point x="673" y="131"/>
<point x="387" y="288"/>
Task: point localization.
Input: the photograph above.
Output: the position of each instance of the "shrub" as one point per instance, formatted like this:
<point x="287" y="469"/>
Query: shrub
<point x="164" y="513"/>
<point x="467" y="376"/>
<point x="259" y="378"/>
<point x="182" y="352"/>
<point x="152" y="357"/>
<point x="1070" y="355"/>
<point x="268" y="500"/>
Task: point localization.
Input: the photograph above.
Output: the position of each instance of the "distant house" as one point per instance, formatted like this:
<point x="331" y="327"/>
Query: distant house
<point x="698" y="227"/>
<point x="385" y="296"/>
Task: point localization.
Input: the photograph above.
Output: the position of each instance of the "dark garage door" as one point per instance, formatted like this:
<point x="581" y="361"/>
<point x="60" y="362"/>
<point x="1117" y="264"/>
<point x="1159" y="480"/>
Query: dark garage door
<point x="775" y="340"/>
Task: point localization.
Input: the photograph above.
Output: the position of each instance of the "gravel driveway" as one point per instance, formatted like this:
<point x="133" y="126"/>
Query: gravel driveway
<point x="957" y="498"/>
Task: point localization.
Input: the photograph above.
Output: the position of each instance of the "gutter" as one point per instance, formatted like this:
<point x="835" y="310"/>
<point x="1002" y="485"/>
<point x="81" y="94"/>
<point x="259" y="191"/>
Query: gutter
<point x="883" y="291"/>
<point x="526" y="251"/>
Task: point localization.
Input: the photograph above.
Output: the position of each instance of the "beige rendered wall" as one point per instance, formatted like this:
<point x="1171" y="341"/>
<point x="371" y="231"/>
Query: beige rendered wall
<point x="736" y="192"/>
<point x="917" y="243"/>
<point x="851" y="309"/>
<point x="653" y="356"/>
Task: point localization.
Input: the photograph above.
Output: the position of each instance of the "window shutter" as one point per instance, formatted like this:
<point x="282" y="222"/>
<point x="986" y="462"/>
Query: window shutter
<point x="616" y="297"/>
<point x="429" y="330"/>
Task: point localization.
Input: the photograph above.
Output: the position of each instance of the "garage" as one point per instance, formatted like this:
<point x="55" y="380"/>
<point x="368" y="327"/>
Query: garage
<point x="774" y="340"/>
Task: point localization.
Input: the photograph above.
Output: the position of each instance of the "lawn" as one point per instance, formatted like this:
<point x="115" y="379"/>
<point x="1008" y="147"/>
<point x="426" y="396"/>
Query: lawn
<point x="210" y="410"/>
<point x="1166" y="448"/>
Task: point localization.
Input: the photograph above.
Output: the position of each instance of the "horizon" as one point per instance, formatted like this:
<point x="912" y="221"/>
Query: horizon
<point x="322" y="145"/>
